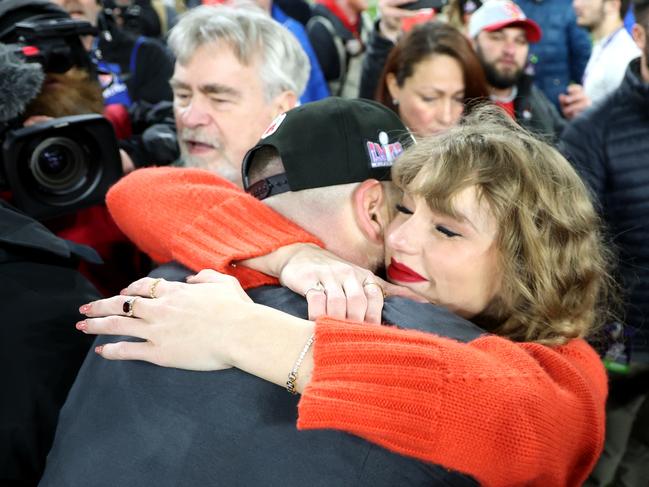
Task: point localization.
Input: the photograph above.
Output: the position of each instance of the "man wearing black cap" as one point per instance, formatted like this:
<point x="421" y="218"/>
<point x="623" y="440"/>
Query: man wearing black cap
<point x="138" y="424"/>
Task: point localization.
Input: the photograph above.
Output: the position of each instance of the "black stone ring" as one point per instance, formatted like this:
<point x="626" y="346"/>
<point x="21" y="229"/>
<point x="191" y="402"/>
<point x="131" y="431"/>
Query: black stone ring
<point x="129" y="306"/>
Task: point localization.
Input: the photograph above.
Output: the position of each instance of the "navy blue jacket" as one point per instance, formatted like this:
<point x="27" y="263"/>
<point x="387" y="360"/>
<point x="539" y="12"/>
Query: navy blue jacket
<point x="609" y="146"/>
<point x="316" y="87"/>
<point x="562" y="54"/>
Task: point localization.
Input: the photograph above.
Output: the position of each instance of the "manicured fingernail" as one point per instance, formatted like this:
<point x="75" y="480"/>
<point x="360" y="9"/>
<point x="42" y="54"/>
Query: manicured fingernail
<point x="99" y="349"/>
<point x="84" y="309"/>
<point x="81" y="325"/>
<point x="123" y="292"/>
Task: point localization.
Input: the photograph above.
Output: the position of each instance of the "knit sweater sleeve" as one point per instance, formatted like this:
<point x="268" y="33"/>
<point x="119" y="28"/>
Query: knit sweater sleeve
<point x="507" y="413"/>
<point x="200" y="220"/>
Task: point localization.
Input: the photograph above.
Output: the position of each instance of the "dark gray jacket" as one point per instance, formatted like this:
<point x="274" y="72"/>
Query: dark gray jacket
<point x="134" y="424"/>
<point x="40" y="351"/>
<point x="536" y="113"/>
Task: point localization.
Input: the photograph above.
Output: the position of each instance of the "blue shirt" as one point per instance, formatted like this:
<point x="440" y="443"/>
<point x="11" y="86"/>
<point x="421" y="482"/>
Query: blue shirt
<point x="316" y="87"/>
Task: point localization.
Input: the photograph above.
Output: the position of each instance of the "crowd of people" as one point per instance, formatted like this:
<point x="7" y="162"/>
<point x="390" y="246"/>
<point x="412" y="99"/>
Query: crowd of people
<point x="350" y="244"/>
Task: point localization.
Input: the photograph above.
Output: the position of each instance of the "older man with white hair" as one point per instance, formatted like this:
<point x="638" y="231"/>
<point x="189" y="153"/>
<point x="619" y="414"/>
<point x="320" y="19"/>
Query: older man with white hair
<point x="236" y="70"/>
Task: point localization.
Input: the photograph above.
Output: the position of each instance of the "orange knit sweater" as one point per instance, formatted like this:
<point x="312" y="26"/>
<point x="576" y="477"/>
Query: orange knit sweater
<point x="507" y="413"/>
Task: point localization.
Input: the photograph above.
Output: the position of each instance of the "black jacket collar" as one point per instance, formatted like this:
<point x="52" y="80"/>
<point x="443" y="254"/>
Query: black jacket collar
<point x="633" y="86"/>
<point x="19" y="230"/>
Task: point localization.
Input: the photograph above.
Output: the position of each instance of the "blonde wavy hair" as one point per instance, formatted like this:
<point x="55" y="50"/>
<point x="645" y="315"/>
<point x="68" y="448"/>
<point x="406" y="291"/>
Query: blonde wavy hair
<point x="555" y="265"/>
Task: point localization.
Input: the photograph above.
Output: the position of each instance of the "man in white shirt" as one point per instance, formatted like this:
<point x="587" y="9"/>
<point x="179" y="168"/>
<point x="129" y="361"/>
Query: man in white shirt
<point x="613" y="48"/>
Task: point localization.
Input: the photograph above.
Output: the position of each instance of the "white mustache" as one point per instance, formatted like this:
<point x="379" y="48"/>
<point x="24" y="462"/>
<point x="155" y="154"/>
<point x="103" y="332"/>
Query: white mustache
<point x="195" y="135"/>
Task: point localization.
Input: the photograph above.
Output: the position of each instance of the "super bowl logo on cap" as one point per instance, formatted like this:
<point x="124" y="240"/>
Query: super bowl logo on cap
<point x="382" y="154"/>
<point x="274" y="125"/>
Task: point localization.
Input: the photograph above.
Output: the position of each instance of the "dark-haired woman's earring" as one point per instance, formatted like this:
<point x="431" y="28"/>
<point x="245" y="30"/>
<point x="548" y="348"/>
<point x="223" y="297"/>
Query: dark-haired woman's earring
<point x="395" y="102"/>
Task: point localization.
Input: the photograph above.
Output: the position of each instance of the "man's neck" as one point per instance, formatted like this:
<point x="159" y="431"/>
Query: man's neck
<point x="501" y="94"/>
<point x="607" y="27"/>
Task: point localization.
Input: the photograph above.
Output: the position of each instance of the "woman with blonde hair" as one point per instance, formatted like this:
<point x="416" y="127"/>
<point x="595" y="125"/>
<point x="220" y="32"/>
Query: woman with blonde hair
<point x="495" y="226"/>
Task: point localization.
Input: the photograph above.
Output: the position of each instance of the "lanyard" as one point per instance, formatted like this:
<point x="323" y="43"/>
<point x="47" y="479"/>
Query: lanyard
<point x="599" y="55"/>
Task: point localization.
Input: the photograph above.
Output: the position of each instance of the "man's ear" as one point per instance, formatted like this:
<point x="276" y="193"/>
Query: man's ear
<point x="370" y="212"/>
<point x="284" y="102"/>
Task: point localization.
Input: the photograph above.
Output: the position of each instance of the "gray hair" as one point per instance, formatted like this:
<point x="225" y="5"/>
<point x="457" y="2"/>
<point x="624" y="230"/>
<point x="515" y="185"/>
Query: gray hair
<point x="250" y="32"/>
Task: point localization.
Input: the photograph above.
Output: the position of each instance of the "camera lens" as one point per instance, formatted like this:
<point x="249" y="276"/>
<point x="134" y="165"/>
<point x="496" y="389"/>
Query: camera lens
<point x="58" y="165"/>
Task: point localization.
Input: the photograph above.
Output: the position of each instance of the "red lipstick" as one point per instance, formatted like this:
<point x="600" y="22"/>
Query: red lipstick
<point x="403" y="273"/>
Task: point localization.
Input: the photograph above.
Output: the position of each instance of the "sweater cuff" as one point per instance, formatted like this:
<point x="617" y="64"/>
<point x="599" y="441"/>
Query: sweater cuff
<point x="351" y="389"/>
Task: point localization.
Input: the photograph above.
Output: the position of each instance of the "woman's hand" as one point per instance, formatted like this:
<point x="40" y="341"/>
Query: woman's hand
<point x="184" y="325"/>
<point x="332" y="286"/>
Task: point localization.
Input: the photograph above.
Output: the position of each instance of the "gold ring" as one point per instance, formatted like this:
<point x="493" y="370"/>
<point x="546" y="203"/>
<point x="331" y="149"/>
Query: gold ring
<point x="153" y="286"/>
<point x="373" y="283"/>
<point x="129" y="306"/>
<point x="317" y="287"/>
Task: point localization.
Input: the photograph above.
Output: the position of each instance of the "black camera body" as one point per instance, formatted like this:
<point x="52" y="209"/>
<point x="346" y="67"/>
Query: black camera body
<point x="61" y="165"/>
<point x="55" y="43"/>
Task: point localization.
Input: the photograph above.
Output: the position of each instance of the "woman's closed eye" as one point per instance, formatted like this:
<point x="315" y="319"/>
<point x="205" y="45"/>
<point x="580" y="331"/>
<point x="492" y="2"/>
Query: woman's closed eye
<point x="402" y="209"/>
<point x="446" y="231"/>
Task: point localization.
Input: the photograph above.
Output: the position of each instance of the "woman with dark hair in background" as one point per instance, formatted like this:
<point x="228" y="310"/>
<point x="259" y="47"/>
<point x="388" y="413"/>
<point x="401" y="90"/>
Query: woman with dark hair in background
<point x="430" y="77"/>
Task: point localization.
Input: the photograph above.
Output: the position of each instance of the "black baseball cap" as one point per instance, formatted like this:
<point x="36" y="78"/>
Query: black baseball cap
<point x="330" y="142"/>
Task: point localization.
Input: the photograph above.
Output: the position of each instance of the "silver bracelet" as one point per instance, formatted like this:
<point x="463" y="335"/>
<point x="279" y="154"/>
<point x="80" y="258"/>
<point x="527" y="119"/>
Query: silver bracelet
<point x="292" y="376"/>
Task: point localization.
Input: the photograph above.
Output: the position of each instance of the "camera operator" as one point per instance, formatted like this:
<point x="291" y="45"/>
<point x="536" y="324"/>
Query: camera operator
<point x="40" y="285"/>
<point x="151" y="18"/>
<point x="75" y="91"/>
<point x="131" y="68"/>
<point x="134" y="72"/>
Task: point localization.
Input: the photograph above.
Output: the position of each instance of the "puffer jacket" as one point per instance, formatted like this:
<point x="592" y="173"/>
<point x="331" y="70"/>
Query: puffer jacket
<point x="608" y="145"/>
<point x="562" y="54"/>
